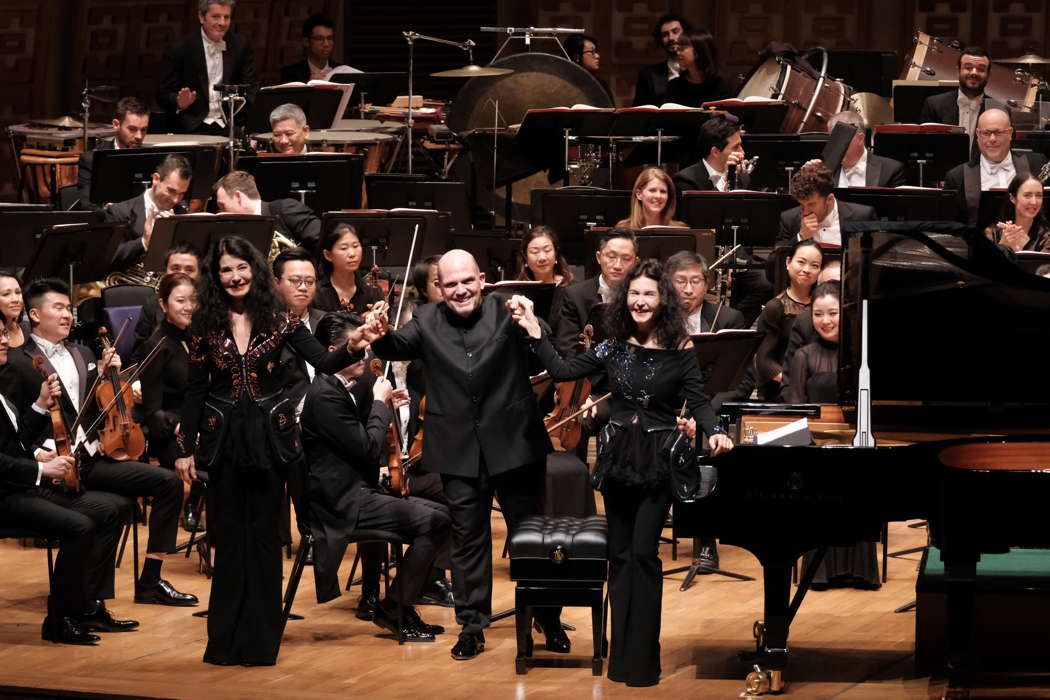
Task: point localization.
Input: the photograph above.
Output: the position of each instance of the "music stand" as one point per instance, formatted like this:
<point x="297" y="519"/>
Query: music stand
<point x="908" y="96"/>
<point x="779" y="156"/>
<point x="119" y="175"/>
<point x="570" y="211"/>
<point x="386" y="237"/>
<point x="77" y="253"/>
<point x="927" y="155"/>
<point x="738" y="218"/>
<point x="658" y="243"/>
<point x="541" y="293"/>
<point x="383" y="86"/>
<point x="757" y="117"/>
<point x="837" y="144"/>
<point x="321" y="181"/>
<point x="640" y="121"/>
<point x="26" y="228"/>
<point x="202" y="230"/>
<point x="497" y="255"/>
<point x="545" y="134"/>
<point x="903" y="204"/>
<point x="442" y="195"/>
<point x="1038" y="141"/>
<point x="320" y="105"/>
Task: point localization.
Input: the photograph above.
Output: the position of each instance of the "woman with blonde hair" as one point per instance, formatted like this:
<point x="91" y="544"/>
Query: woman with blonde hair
<point x="653" y="201"/>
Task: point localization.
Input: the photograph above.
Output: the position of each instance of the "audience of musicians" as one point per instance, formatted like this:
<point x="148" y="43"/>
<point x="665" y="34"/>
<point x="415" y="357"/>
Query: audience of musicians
<point x="1022" y="226"/>
<point x="802" y="331"/>
<point x="237" y="193"/>
<point x="342" y="286"/>
<point x="193" y="65"/>
<point x="819" y="215"/>
<point x="961" y="107"/>
<point x="131" y="121"/>
<point x="290" y="130"/>
<point x="994" y="166"/>
<point x="651" y="84"/>
<point x="700" y="76"/>
<point x="542" y="260"/>
<point x="582" y="50"/>
<point x="653" y="201"/>
<point x="319" y="44"/>
<point x="860" y="167"/>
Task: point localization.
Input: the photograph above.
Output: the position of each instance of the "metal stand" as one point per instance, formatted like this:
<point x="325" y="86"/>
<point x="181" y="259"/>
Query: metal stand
<point x="699" y="567"/>
<point x="233" y="98"/>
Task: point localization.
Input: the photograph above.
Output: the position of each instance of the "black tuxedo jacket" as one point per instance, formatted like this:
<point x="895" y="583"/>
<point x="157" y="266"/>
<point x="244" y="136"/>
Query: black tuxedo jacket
<point x="296" y="72"/>
<point x="651" y="86"/>
<point x="942" y="108"/>
<point x="295" y="220"/>
<point x="133" y="210"/>
<point x="791" y="220"/>
<point x="84" y="169"/>
<point x="965" y="179"/>
<point x="296" y="378"/>
<point x="18" y="468"/>
<point x="480" y="404"/>
<point x="573" y="309"/>
<point x="880" y="172"/>
<point x="728" y="317"/>
<point x="696" y="178"/>
<point x="184" y="65"/>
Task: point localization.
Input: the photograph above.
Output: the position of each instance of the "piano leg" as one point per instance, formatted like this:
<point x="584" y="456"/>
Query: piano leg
<point x="961" y="590"/>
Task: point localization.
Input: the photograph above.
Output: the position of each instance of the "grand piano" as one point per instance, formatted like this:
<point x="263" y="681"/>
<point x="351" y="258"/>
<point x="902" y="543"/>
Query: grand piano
<point x="945" y="417"/>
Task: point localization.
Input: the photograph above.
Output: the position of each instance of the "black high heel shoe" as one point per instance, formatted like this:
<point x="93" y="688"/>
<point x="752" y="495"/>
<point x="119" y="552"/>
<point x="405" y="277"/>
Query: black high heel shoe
<point x="204" y="552"/>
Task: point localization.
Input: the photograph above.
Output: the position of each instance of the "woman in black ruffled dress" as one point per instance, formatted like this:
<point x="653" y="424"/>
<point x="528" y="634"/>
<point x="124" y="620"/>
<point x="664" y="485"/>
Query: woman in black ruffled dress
<point x="650" y="366"/>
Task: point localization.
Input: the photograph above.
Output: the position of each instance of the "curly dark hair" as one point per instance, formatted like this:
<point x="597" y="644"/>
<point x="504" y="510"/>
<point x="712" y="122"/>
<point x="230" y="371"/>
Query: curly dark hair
<point x="669" y="320"/>
<point x="812" y="178"/>
<point x="263" y="302"/>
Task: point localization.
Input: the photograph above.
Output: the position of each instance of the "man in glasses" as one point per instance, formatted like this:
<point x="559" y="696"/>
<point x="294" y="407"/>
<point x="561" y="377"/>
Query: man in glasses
<point x="237" y="193"/>
<point x="319" y="42"/>
<point x="994" y="165"/>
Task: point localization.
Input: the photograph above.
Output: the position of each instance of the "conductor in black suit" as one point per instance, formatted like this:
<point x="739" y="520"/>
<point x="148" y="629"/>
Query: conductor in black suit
<point x="319" y="42"/>
<point x="237" y="193"/>
<point x="961" y="107"/>
<point x="194" y="64"/>
<point x="651" y="87"/>
<point x="171" y="181"/>
<point x="484" y="433"/>
<point x="131" y="122"/>
<point x="860" y="167"/>
<point x="819" y="214"/>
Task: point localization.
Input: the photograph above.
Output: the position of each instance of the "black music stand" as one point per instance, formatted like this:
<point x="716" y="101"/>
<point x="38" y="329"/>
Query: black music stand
<point x="660" y="243"/>
<point x="321" y="181"/>
<point x="496" y="253"/>
<point x="77" y="253"/>
<point x="24" y="229"/>
<point x="738" y="218"/>
<point x="386" y="237"/>
<point x="318" y="103"/>
<point x="202" y="230"/>
<point x="755" y="117"/>
<point x="541" y="293"/>
<point x="119" y="175"/>
<point x="838" y="143"/>
<point x="662" y="123"/>
<point x="570" y="211"/>
<point x="908" y="96"/>
<point x="1038" y="141"/>
<point x="443" y="195"/>
<point x="779" y="156"/>
<point x="903" y="204"/>
<point x="927" y="155"/>
<point x="545" y="134"/>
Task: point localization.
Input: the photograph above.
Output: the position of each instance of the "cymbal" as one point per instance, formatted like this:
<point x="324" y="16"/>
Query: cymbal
<point x="875" y="109"/>
<point x="1027" y="59"/>
<point x="472" y="70"/>
<point x="61" y="122"/>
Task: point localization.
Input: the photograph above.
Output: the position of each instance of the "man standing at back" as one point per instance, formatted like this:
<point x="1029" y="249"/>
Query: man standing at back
<point x="651" y="88"/>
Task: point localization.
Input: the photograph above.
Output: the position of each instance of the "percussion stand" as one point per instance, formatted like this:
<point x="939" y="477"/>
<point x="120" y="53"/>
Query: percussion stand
<point x="233" y="96"/>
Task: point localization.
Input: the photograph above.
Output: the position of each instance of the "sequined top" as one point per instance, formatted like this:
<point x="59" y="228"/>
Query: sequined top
<point x="218" y="369"/>
<point x="646" y="382"/>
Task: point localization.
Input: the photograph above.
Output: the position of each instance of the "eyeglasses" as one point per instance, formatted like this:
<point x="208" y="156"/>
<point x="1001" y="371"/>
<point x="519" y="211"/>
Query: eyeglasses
<point x="297" y="282"/>
<point x="994" y="133"/>
<point x="323" y="39"/>
<point x="613" y="257"/>
<point x="594" y="51"/>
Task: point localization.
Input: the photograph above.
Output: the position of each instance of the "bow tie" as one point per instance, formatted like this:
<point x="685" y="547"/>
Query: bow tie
<point x="215" y="47"/>
<point x="996" y="168"/>
<point x="53" y="350"/>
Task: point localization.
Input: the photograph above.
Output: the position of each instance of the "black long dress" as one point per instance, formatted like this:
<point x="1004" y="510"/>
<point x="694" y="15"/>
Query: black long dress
<point x="647" y="386"/>
<point x="327" y="298"/>
<point x="775" y="323"/>
<point x="163" y="389"/>
<point x="814" y="379"/>
<point x="235" y="420"/>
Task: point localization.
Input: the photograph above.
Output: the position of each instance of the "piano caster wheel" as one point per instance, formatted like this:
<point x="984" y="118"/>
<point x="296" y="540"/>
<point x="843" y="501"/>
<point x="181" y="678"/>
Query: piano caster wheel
<point x="759" y="631"/>
<point x="760" y="682"/>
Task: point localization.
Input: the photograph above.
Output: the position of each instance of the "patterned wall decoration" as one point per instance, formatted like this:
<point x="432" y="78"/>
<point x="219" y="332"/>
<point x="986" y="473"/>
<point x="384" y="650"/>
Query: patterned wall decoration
<point x="1004" y="27"/>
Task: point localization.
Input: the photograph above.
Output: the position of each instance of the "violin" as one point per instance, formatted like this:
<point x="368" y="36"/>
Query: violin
<point x="397" y="469"/>
<point x="415" y="451"/>
<point x="564" y="422"/>
<point x="60" y="434"/>
<point x="120" y="437"/>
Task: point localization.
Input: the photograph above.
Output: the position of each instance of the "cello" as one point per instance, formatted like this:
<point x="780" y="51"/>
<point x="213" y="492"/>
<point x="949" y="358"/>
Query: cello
<point x="61" y="435"/>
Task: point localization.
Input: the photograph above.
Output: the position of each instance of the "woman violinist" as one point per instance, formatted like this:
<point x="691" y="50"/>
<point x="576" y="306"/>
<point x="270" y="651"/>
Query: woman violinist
<point x="342" y="286"/>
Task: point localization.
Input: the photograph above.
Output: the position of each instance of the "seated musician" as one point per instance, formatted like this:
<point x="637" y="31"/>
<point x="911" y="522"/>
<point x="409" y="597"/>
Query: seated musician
<point x="583" y="51"/>
<point x="860" y="167"/>
<point x="237" y="193"/>
<point x="343" y="441"/>
<point x="541" y="257"/>
<point x="319" y="44"/>
<point x="131" y="122"/>
<point x="342" y="286"/>
<point x="961" y="107"/>
<point x="778" y="316"/>
<point x="814" y="370"/>
<point x="50" y="318"/>
<point x="802" y="331"/>
<point x="87" y="524"/>
<point x="994" y="166"/>
<point x="720" y="147"/>
<point x="653" y="202"/>
<point x="819" y="215"/>
<point x="689" y="274"/>
<point x="163" y="198"/>
<point x="651" y="85"/>
<point x="186" y="91"/>
<point x="424" y="280"/>
<point x="11" y="306"/>
<point x="1022" y="225"/>
<point x="290" y="130"/>
<point x="700" y="76"/>
<point x="181" y="258"/>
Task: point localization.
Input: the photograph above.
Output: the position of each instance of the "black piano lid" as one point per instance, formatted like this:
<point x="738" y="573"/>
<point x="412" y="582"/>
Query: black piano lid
<point x="953" y="323"/>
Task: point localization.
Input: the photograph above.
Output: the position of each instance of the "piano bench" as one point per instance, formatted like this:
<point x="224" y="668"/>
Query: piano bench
<point x="559" y="562"/>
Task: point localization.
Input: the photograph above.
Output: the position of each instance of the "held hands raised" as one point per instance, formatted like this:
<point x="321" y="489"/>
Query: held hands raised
<point x="374" y="328"/>
<point x="521" y="311"/>
<point x="1012" y="236"/>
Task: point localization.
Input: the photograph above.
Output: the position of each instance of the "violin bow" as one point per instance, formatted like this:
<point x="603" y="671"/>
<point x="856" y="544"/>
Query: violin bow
<point x="568" y="418"/>
<point x="130" y="380"/>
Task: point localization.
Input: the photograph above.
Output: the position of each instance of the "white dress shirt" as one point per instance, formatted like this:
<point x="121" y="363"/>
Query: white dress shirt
<point x="604" y="291"/>
<point x="856" y="175"/>
<point x="62" y="360"/>
<point x="404" y="413"/>
<point x="718" y="179"/>
<point x="997" y="175"/>
<point x="969" y="110"/>
<point x="694" y="322"/>
<point x="828" y="231"/>
<point x="213" y="59"/>
<point x="673" y="69"/>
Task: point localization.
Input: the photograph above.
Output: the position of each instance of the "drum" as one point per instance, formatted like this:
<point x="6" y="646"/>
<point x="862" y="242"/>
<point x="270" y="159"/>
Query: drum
<point x="48" y="156"/>
<point x="807" y="111"/>
<point x="937" y="59"/>
<point x="375" y="146"/>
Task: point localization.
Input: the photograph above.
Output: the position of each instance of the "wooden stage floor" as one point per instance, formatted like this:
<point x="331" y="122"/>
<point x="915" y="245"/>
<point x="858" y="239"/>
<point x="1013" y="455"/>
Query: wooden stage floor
<point x="845" y="644"/>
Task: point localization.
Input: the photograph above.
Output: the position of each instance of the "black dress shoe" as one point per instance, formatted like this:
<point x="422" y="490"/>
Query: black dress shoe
<point x="65" y="630"/>
<point x="409" y="632"/>
<point x="708" y="557"/>
<point x="412" y="617"/>
<point x="102" y="620"/>
<point x="557" y="640"/>
<point x="366" y="607"/>
<point x="468" y="646"/>
<point x="163" y="593"/>
<point x="438" y="593"/>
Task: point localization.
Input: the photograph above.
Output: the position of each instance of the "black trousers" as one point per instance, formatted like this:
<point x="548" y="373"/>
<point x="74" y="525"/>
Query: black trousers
<point x="520" y="494"/>
<point x="635" y="517"/>
<point x="134" y="479"/>
<point x="422" y="523"/>
<point x="87" y="526"/>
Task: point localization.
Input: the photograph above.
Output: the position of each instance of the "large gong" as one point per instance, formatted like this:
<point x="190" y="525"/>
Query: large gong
<point x="539" y="80"/>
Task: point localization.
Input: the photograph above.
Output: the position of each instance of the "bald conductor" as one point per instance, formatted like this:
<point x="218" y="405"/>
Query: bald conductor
<point x="484" y="434"/>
